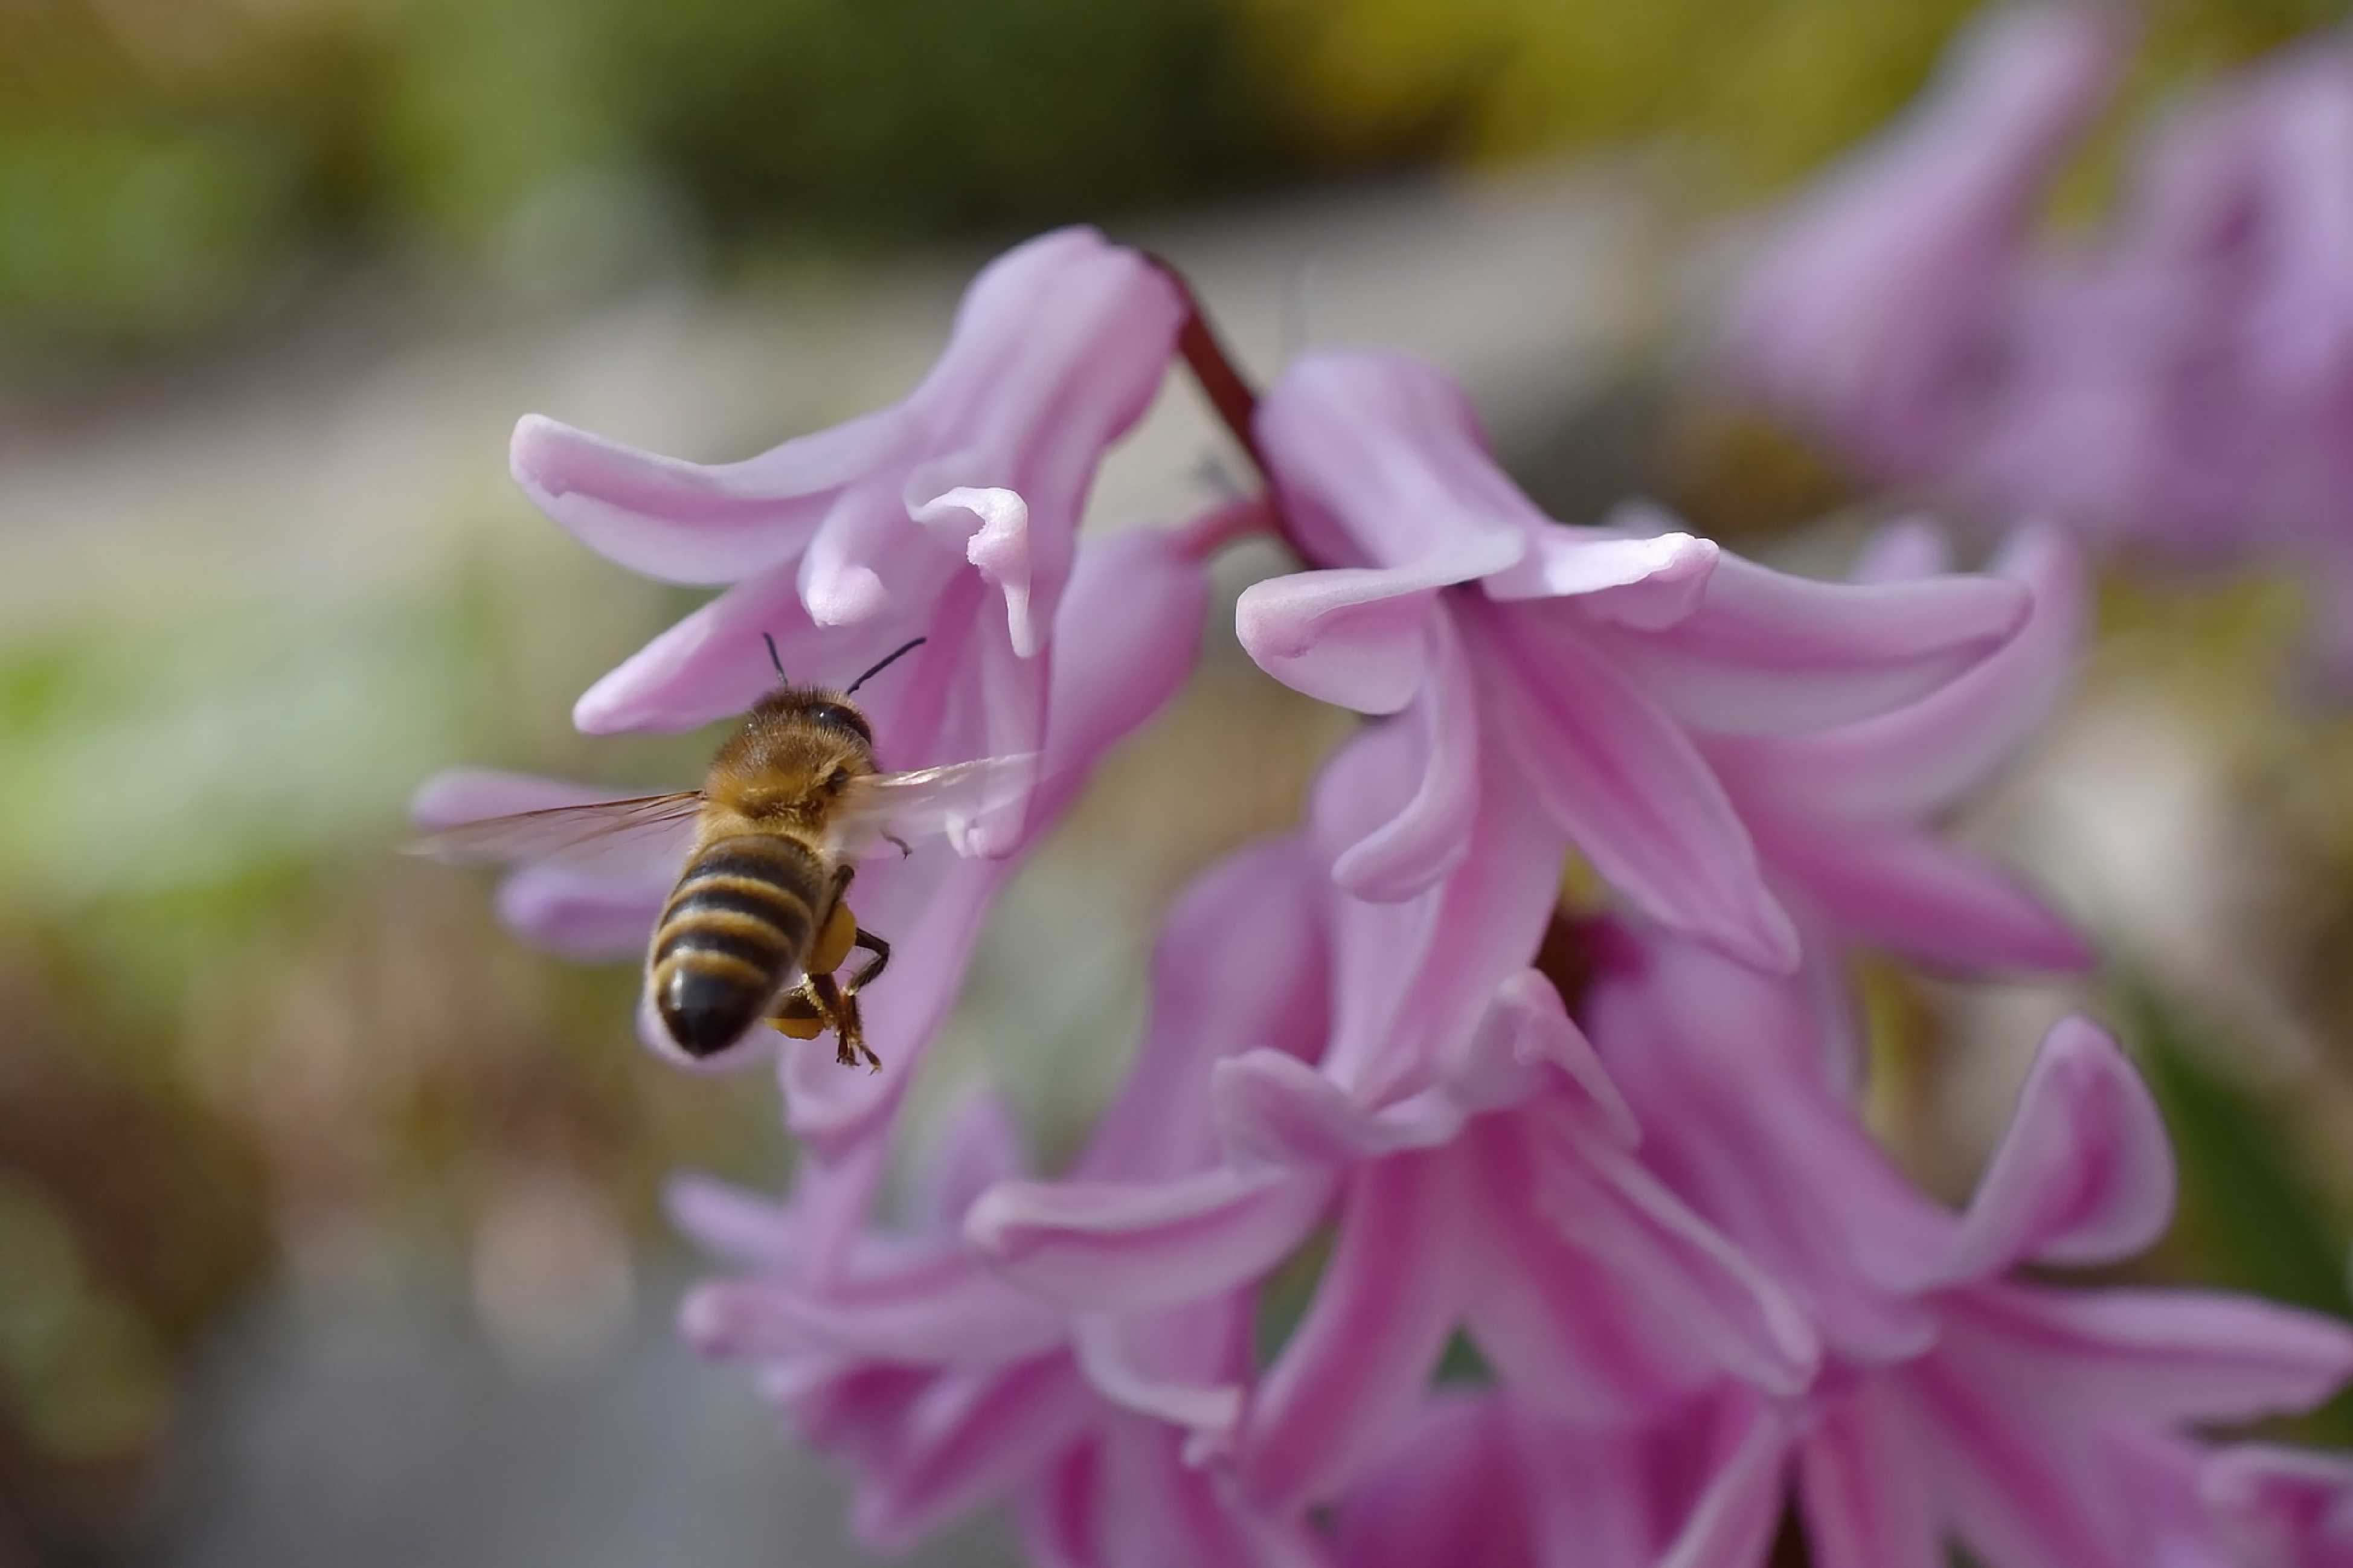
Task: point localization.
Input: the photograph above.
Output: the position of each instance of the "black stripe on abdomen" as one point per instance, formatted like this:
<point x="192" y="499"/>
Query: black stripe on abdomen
<point x="738" y="925"/>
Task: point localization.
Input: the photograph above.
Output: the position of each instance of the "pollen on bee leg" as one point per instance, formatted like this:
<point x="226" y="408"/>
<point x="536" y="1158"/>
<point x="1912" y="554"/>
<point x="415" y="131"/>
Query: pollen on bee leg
<point x="799" y="1016"/>
<point x="833" y="944"/>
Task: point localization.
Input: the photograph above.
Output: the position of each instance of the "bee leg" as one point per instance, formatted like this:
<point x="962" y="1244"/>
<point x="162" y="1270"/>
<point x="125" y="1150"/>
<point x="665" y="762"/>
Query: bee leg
<point x="905" y="848"/>
<point x="866" y="974"/>
<point x="800" y="1014"/>
<point x="850" y="1035"/>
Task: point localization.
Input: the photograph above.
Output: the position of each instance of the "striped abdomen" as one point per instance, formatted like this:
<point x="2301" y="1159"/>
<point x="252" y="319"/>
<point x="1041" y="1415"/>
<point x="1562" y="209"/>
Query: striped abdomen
<point x="735" y="928"/>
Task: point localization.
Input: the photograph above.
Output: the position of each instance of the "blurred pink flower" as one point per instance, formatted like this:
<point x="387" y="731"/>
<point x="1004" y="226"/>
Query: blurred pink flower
<point x="2182" y="381"/>
<point x="1959" y="1402"/>
<point x="1580" y="664"/>
<point x="1845" y="818"/>
<point x="2187" y="383"/>
<point x="954" y="513"/>
<point x="1482" y="1477"/>
<point x="1128" y="631"/>
<point x="2275" y="1508"/>
<point x="1481" y="1164"/>
<point x="1872" y="309"/>
<point x="943" y="1387"/>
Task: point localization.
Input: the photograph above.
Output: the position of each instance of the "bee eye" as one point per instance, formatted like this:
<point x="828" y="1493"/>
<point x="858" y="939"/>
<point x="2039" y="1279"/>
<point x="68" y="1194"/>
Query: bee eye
<point x="838" y="781"/>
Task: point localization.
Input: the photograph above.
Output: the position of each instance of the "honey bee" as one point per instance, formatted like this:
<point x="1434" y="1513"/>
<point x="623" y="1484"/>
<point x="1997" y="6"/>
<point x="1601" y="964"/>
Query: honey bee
<point x="759" y="923"/>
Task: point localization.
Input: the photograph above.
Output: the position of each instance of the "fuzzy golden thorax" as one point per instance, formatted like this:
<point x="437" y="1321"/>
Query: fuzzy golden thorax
<point x="795" y="756"/>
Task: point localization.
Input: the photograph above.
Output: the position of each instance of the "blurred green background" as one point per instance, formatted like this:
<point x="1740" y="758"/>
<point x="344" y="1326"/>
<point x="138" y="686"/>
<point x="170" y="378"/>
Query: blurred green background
<point x="276" y="276"/>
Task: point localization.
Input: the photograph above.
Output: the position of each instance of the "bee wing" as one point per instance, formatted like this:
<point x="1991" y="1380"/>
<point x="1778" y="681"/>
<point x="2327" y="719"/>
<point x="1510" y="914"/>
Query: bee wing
<point x="563" y="831"/>
<point x="917" y="804"/>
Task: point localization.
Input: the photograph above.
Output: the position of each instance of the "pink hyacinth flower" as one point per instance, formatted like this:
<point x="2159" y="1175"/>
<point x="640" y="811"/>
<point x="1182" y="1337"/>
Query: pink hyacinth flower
<point x="1483" y="1478"/>
<point x="2187" y="384"/>
<point x="1481" y="1164"/>
<point x="1872" y="307"/>
<point x="1127" y="633"/>
<point x="953" y="513"/>
<point x="2279" y="1508"/>
<point x="1844" y="818"/>
<point x="1960" y="1404"/>
<point x="943" y="1387"/>
<point x="1583" y="664"/>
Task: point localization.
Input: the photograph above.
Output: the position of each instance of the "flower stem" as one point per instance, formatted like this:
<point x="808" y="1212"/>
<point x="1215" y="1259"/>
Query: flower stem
<point x="1231" y="397"/>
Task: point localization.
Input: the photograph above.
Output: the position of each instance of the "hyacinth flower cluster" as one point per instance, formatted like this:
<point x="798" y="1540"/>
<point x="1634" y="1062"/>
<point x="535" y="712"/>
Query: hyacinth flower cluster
<point x="2179" y="379"/>
<point x="1605" y="1267"/>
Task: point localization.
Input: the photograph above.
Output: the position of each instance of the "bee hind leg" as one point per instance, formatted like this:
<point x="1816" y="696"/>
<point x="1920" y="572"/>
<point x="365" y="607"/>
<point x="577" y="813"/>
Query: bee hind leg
<point x="873" y="968"/>
<point x="849" y="1030"/>
<point x="800" y="1014"/>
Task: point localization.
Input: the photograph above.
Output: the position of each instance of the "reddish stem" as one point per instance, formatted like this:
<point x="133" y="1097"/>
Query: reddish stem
<point x="1231" y="397"/>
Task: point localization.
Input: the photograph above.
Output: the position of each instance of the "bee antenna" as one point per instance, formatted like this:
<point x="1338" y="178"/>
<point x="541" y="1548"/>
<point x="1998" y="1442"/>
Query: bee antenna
<point x="889" y="659"/>
<point x="779" y="663"/>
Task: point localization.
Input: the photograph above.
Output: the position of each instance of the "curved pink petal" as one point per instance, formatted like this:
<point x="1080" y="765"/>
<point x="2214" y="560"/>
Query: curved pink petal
<point x="833" y="1205"/>
<point x="1566" y="1333"/>
<point x="2282" y="1505"/>
<point x="1274" y="1110"/>
<point x="1357" y="1363"/>
<point x="689" y="523"/>
<point x="1734" y="1138"/>
<point x="1413" y="980"/>
<point x="1445" y="1491"/>
<point x="1912" y="892"/>
<point x="1626" y="783"/>
<point x="740" y="1226"/>
<point x="1530" y="1006"/>
<point x="981" y="1145"/>
<point x="867" y="554"/>
<point x="1733" y="1524"/>
<point x="1646" y="581"/>
<point x="2169" y="1357"/>
<point x="1060" y="1516"/>
<point x="1378" y="459"/>
<point x="943" y="1310"/>
<point x="1357" y="637"/>
<point x="1926" y="757"/>
<point x="966" y="1440"/>
<point x="2084" y="1174"/>
<point x="1102" y="1343"/>
<point x="1767" y="652"/>
<point x="2011" y="1489"/>
<point x="1695" y="1281"/>
<point x="714" y="664"/>
<point x="995" y="524"/>
<point x="1871" y="307"/>
<point x="1128" y="634"/>
<point x="1110" y="1245"/>
<point x="583" y="916"/>
<point x="1430" y="833"/>
<point x="1156" y="1509"/>
<point x="1862" y="1483"/>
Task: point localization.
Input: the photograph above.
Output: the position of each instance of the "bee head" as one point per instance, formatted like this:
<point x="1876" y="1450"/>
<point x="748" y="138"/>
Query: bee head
<point x="800" y="749"/>
<point x="803" y="744"/>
